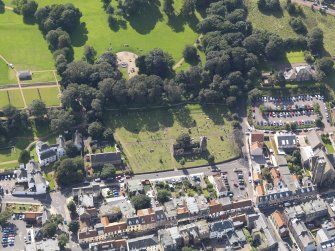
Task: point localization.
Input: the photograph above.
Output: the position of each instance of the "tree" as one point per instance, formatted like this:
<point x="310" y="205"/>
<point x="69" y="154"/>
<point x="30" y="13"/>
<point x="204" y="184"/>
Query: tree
<point x="188" y="8"/>
<point x="131" y="7"/>
<point x="64" y="16"/>
<point x="211" y="158"/>
<point x="4" y="217"/>
<point x="155" y="62"/>
<point x="163" y="196"/>
<point x="266" y="173"/>
<point x="96" y="130"/>
<point x="108" y="135"/>
<point x="49" y="229"/>
<point x="315" y="40"/>
<point x="184" y="140"/>
<point x="141" y="201"/>
<point x="72" y="207"/>
<point x="69" y="171"/>
<point x="62" y="240"/>
<point x="74" y="226"/>
<point x="298" y="25"/>
<point x="37" y="108"/>
<point x="58" y="39"/>
<point x="89" y="54"/>
<point x="190" y="54"/>
<point x="29" y="9"/>
<point x="107" y="171"/>
<point x="60" y="120"/>
<point x="24" y="157"/>
<point x="325" y="64"/>
<point x="71" y="150"/>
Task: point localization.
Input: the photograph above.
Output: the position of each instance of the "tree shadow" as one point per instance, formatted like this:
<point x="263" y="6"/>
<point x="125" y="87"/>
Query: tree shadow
<point x="183" y="116"/>
<point x="146" y="20"/>
<point x="276" y="14"/>
<point x="79" y="36"/>
<point x="2" y="9"/>
<point x="193" y="21"/>
<point x="176" y="23"/>
<point x="215" y="113"/>
<point x="29" y="20"/>
<point x="116" y="24"/>
<point x="136" y="121"/>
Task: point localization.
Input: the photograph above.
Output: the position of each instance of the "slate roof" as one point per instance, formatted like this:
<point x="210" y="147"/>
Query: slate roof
<point x="47" y="154"/>
<point x="142" y="243"/>
<point x="105" y="157"/>
<point x="221" y="226"/>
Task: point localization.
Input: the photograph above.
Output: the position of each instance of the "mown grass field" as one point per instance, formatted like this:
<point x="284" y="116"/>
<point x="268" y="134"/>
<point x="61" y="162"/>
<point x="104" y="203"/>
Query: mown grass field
<point x="50" y="95"/>
<point x="7" y="76"/>
<point x="23" y="44"/>
<point x="147" y="136"/>
<point x="279" y="22"/>
<point x="41" y="77"/>
<point x="151" y="29"/>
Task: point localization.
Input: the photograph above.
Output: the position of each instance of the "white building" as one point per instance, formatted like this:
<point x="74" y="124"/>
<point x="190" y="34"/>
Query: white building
<point x="47" y="154"/>
<point x="30" y="180"/>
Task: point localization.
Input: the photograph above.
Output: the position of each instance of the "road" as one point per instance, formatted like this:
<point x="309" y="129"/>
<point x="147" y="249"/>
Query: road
<point x="240" y="163"/>
<point x="309" y="4"/>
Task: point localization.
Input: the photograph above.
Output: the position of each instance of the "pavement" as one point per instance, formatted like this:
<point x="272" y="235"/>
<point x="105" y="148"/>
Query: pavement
<point x="271" y="105"/>
<point x="21" y="232"/>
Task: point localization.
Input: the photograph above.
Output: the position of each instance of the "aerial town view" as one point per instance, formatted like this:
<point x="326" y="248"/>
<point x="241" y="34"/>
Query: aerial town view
<point x="167" y="125"/>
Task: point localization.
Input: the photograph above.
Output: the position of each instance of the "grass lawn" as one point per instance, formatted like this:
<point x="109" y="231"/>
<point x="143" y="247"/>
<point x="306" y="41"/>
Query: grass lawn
<point x="41" y="77"/>
<point x="50" y="96"/>
<point x="295" y="57"/>
<point x="50" y="178"/>
<point x="326" y="141"/>
<point x="147" y="136"/>
<point x="279" y="22"/>
<point x="15" y="98"/>
<point x="23" y="44"/>
<point x="12" y="97"/>
<point x="151" y="29"/>
<point x="10" y="151"/>
<point x="7" y="75"/>
<point x="30" y="95"/>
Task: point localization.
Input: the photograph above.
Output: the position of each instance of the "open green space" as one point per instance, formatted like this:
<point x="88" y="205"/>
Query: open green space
<point x="295" y="57"/>
<point x="147" y="136"/>
<point x="278" y="22"/>
<point x="10" y="151"/>
<point x="30" y="95"/>
<point x="41" y="77"/>
<point x="23" y="44"/>
<point x="139" y="34"/>
<point x="7" y="75"/>
<point x="21" y="208"/>
<point x="12" y="97"/>
<point x="50" y="96"/>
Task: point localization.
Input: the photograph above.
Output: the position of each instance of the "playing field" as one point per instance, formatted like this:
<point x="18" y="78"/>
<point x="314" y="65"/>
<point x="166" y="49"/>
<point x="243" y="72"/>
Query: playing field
<point x="279" y="23"/>
<point x="151" y="29"/>
<point x="23" y="44"/>
<point x="147" y="136"/>
<point x="50" y="95"/>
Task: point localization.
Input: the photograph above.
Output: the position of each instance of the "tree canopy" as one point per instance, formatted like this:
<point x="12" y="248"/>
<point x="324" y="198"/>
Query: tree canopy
<point x="69" y="171"/>
<point x="141" y="201"/>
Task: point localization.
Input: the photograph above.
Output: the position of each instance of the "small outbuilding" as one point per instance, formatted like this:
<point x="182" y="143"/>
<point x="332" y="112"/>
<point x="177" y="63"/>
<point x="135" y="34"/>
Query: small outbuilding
<point x="25" y="75"/>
